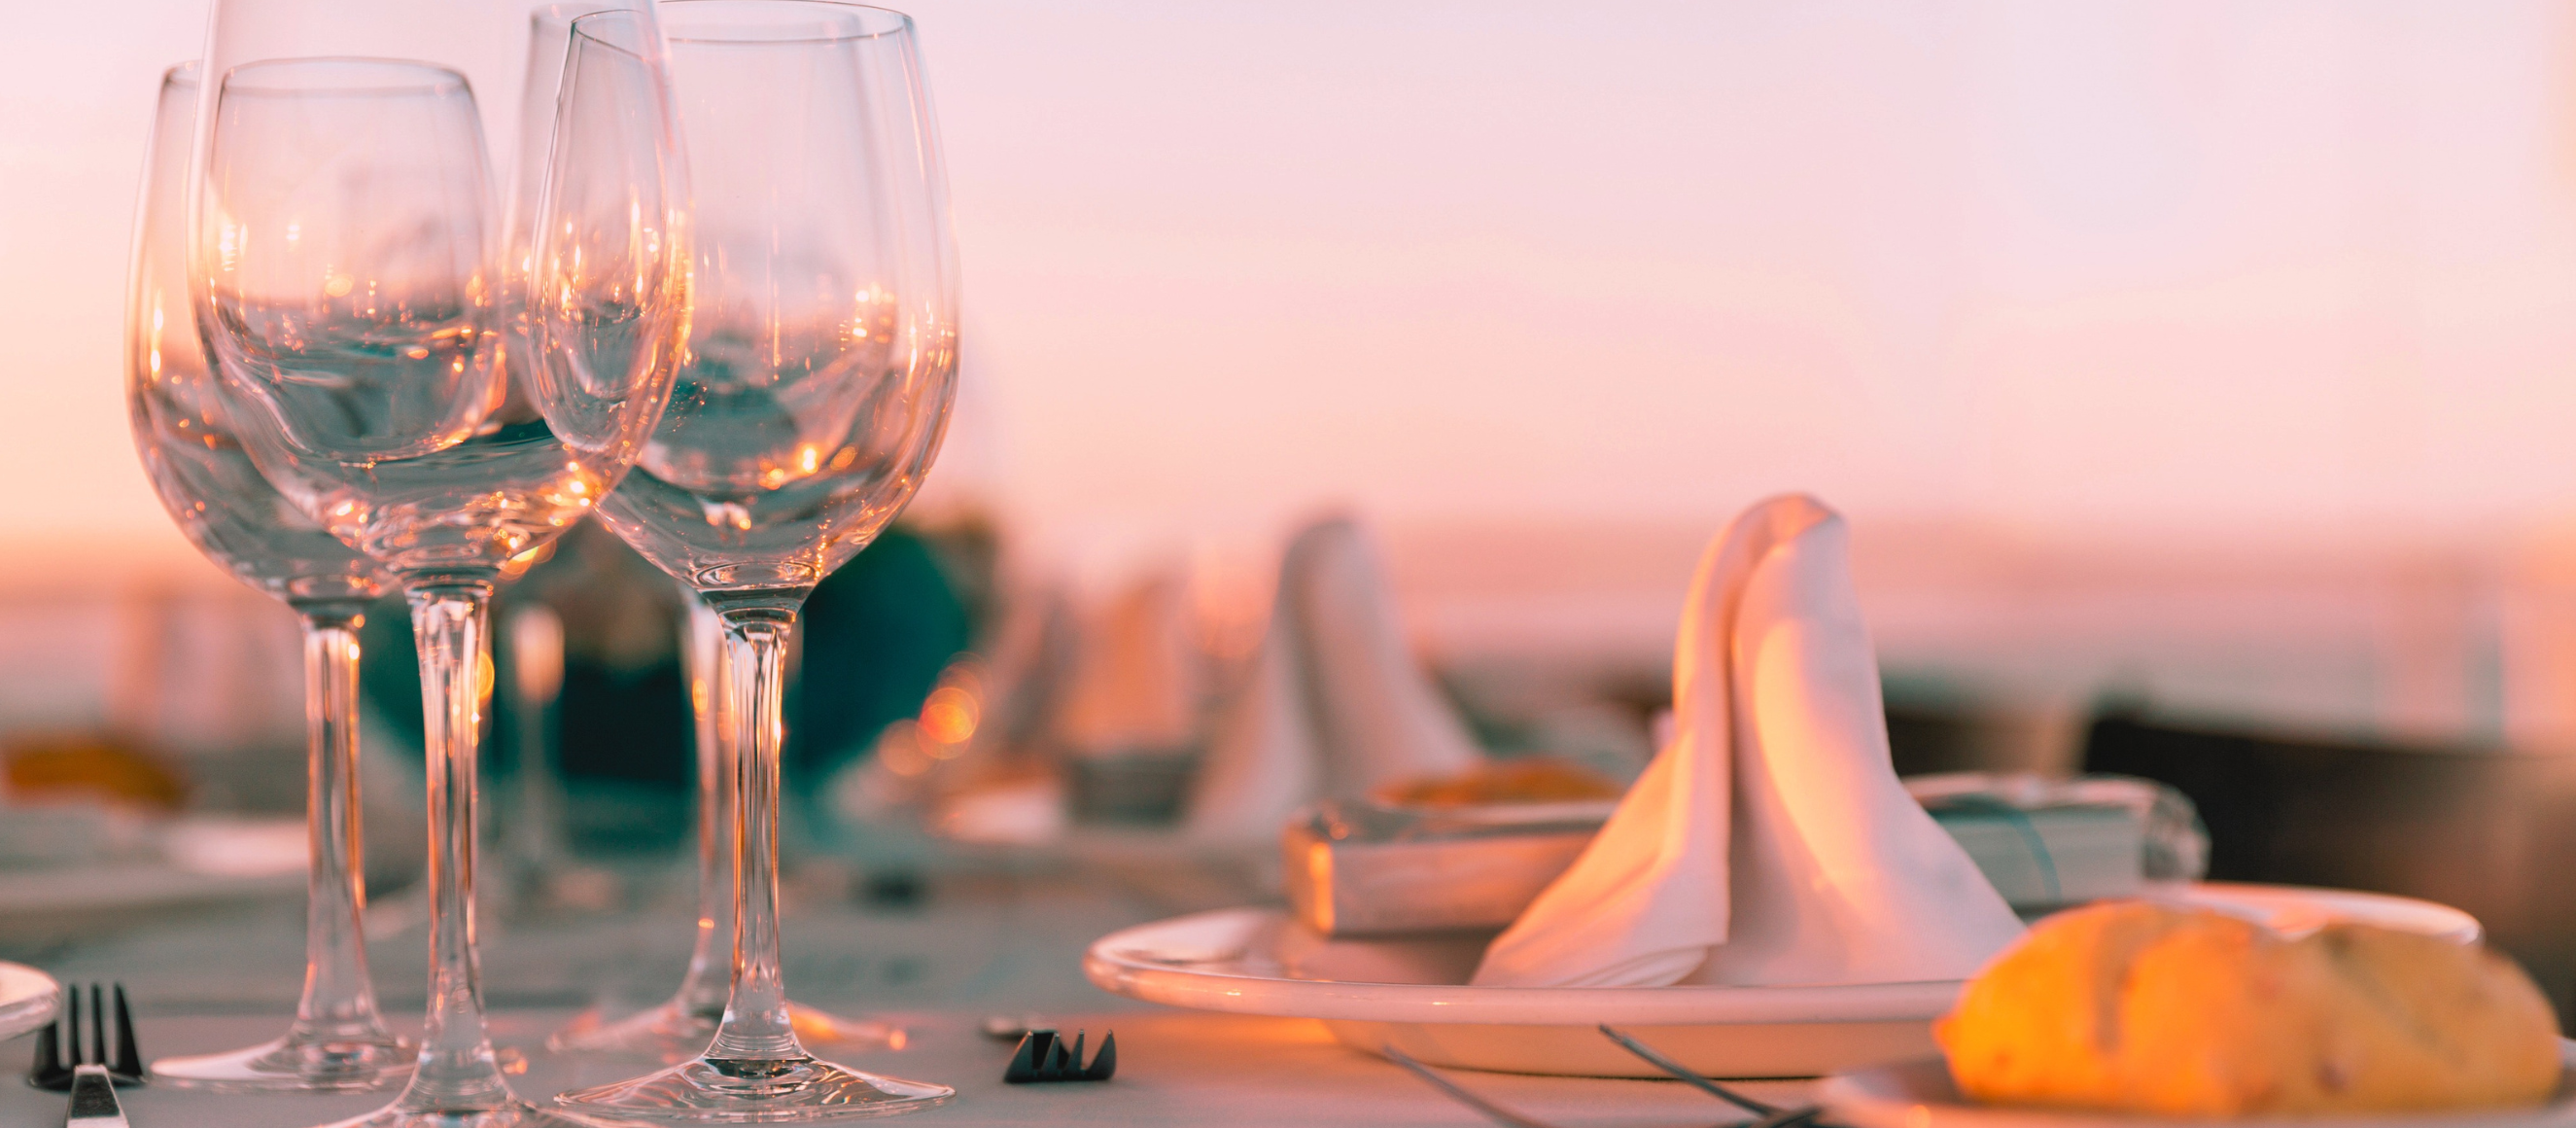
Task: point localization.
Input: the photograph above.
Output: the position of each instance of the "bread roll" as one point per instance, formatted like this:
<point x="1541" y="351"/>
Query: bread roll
<point x="2183" y="1012"/>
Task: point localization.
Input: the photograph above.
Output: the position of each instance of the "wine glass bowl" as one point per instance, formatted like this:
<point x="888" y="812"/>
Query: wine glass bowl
<point x="349" y="300"/>
<point x="347" y="279"/>
<point x="817" y="370"/>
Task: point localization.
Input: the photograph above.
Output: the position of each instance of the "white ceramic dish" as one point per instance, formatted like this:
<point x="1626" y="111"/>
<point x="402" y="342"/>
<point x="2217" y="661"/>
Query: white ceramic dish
<point x="1919" y="1095"/>
<point x="77" y="901"/>
<point x="27" y="999"/>
<point x="1408" y="992"/>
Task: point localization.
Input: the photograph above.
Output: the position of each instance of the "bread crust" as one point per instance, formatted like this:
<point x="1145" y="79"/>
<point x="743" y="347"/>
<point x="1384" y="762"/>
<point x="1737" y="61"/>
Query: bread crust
<point x="2139" y="1007"/>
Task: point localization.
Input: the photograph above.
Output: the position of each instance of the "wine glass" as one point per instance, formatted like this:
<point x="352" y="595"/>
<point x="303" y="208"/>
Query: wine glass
<point x="184" y="432"/>
<point x="814" y="383"/>
<point x="678" y="1027"/>
<point x="344" y="277"/>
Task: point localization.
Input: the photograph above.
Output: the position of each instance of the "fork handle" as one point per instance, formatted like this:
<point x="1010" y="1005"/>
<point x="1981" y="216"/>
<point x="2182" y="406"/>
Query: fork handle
<point x="94" y="1100"/>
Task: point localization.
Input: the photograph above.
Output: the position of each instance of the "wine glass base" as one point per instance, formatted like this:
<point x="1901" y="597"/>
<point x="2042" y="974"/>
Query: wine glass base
<point x="292" y="1065"/>
<point x="801" y="1090"/>
<point x="674" y="1034"/>
<point x="516" y="1114"/>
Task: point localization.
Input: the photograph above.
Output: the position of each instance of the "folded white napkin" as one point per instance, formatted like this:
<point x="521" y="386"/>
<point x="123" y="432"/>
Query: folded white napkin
<point x="1136" y="685"/>
<point x="1769" y="843"/>
<point x="1336" y="704"/>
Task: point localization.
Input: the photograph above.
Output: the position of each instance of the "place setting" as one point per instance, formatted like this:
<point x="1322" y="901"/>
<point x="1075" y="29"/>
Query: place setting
<point x="1296" y="661"/>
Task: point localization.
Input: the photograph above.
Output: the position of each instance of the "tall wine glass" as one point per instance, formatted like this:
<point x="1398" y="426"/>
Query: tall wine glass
<point x="815" y="379"/>
<point x="345" y="280"/>
<point x="678" y="1027"/>
<point x="185" y="434"/>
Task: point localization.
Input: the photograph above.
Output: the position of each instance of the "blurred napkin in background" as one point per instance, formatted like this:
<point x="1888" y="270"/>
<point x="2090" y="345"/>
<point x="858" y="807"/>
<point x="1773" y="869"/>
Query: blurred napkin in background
<point x="1335" y="704"/>
<point x="1769" y="843"/>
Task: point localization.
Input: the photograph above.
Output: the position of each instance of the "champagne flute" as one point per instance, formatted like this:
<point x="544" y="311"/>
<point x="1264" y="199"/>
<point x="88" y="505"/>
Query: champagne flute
<point x="344" y="279"/>
<point x="814" y="383"/>
<point x="185" y="434"/>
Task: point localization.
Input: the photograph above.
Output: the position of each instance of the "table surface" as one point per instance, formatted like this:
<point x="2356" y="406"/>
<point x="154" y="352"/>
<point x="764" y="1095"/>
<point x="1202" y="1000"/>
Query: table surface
<point x="985" y="940"/>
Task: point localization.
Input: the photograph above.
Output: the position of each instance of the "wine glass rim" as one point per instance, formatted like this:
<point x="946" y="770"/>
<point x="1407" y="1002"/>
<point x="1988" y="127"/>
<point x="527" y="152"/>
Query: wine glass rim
<point x="423" y="77"/>
<point x="874" y="23"/>
<point x="181" y="74"/>
<point x="573" y="11"/>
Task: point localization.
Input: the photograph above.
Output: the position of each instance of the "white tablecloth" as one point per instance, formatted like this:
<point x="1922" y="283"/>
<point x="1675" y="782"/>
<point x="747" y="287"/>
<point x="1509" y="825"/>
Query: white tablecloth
<point x="1174" y="1068"/>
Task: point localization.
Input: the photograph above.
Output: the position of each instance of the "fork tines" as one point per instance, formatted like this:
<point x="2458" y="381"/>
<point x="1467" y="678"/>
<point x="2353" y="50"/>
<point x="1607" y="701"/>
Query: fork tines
<point x="59" y="1045"/>
<point x="1042" y="1056"/>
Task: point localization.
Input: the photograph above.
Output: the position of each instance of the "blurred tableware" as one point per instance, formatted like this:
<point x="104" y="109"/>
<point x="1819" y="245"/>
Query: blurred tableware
<point x="1335" y="706"/>
<point x="28" y="999"/>
<point x="1410" y="992"/>
<point x="1769" y="842"/>
<point x="1131" y="717"/>
<point x="185" y="431"/>
<point x="2045" y="842"/>
<point x="66" y="1053"/>
<point x="83" y="902"/>
<point x="1919" y="1094"/>
<point x="173" y="868"/>
<point x="47" y="835"/>
<point x="1357" y="867"/>
<point x="346" y="281"/>
<point x="812" y="390"/>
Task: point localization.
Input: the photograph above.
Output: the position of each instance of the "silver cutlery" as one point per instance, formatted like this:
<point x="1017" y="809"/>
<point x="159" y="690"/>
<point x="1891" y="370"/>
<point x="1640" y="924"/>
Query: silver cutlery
<point x="1766" y="1115"/>
<point x="1042" y="1056"/>
<point x="66" y="1061"/>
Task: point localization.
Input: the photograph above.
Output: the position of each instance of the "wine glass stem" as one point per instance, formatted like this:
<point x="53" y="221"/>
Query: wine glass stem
<point x="704" y="989"/>
<point x="339" y="1003"/>
<point x="756" y="1026"/>
<point x="457" y="1071"/>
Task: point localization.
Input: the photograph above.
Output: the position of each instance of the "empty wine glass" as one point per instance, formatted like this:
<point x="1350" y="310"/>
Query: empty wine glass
<point x="185" y="434"/>
<point x="345" y="279"/>
<point x="678" y="1027"/>
<point x="814" y="383"/>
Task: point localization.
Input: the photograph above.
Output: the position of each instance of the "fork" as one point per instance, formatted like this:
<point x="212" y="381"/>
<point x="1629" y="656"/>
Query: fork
<point x="1767" y="1115"/>
<point x="1042" y="1057"/>
<point x="89" y="1077"/>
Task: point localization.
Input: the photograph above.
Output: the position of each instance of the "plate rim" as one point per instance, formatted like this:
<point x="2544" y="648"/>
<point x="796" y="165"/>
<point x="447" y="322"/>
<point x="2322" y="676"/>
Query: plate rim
<point x="35" y="1006"/>
<point x="1112" y="964"/>
<point x="1120" y="972"/>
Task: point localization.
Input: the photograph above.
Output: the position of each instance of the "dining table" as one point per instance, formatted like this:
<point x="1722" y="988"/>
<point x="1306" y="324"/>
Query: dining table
<point x="935" y="951"/>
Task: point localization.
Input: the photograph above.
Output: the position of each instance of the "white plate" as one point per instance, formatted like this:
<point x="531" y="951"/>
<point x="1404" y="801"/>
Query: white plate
<point x="2297" y="910"/>
<point x="27" y="999"/>
<point x="1920" y="1095"/>
<point x="1409" y="992"/>
<point x="83" y="901"/>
